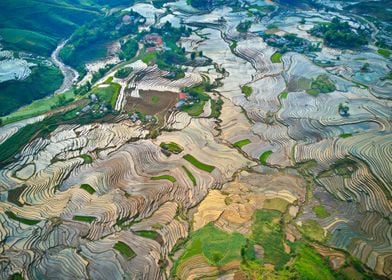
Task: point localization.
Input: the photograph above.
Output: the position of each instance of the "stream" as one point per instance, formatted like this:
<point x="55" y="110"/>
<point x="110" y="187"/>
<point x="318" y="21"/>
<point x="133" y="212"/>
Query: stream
<point x="70" y="74"/>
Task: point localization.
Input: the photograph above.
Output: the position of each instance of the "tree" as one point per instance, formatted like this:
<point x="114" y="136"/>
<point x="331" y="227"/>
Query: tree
<point x="193" y="55"/>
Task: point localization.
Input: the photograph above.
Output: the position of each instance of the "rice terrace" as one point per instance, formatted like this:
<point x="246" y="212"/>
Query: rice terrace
<point x="196" y="139"/>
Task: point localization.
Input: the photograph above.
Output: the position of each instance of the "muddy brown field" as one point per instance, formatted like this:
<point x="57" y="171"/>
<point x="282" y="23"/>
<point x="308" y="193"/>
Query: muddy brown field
<point x="152" y="102"/>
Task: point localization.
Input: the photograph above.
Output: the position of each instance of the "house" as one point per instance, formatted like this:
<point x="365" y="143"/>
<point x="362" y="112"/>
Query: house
<point x="182" y="96"/>
<point x="153" y="39"/>
<point x="180" y="103"/>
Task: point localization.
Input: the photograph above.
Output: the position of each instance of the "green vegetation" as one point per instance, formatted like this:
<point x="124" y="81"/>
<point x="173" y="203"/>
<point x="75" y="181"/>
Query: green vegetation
<point x="244" y="26"/>
<point x="339" y="34"/>
<point x="322" y="84"/>
<point x="43" y="81"/>
<point x="276" y="57"/>
<point x="198" y="164"/>
<point x="89" y="42"/>
<point x="310" y="265"/>
<point x="129" y="49"/>
<point x="108" y="94"/>
<point x="22" y="220"/>
<point x="284" y="94"/>
<point x="87" y="188"/>
<point x="267" y="232"/>
<point x="241" y="143"/>
<point x="217" y="246"/>
<point x="313" y="230"/>
<point x="216" y="108"/>
<point x="278" y="204"/>
<point x="147" y="234"/>
<point x="345" y="135"/>
<point x="171" y="147"/>
<point x="264" y="156"/>
<point x="247" y="90"/>
<point x="124" y="249"/>
<point x="199" y="98"/>
<point x="164" y="177"/>
<point x="38" y="107"/>
<point x="123" y="72"/>
<point x="88" y="219"/>
<point x="154" y="99"/>
<point x="36" y="26"/>
<point x="190" y="175"/>
<point x="320" y="212"/>
<point x="26" y="40"/>
<point x="344" y="167"/>
<point x="16" y="276"/>
<point x="87" y="158"/>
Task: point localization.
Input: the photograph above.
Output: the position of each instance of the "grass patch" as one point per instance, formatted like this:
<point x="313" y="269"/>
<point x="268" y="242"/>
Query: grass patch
<point x="345" y="135"/>
<point x="22" y="220"/>
<point x="217" y="246"/>
<point x="147" y="234"/>
<point x="108" y="94"/>
<point x="87" y="219"/>
<point x="384" y="52"/>
<point x="154" y="99"/>
<point x="313" y="230"/>
<point x="164" y="177"/>
<point x="43" y="81"/>
<point x="198" y="164"/>
<point x="87" y="188"/>
<point x="247" y="90"/>
<point x="267" y="231"/>
<point x="171" y="147"/>
<point x="278" y="204"/>
<point x="276" y="57"/>
<point x="87" y="158"/>
<point x="37" y="107"/>
<point x="309" y="264"/>
<point x="264" y="156"/>
<point x="190" y="175"/>
<point x="344" y="167"/>
<point x="320" y="212"/>
<point x="124" y="249"/>
<point x="284" y="94"/>
<point x="322" y="84"/>
<point x="241" y="143"/>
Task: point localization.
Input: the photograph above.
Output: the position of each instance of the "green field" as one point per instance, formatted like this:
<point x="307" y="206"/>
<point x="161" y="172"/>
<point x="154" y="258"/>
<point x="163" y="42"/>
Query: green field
<point x="124" y="249"/>
<point x="88" y="219"/>
<point x="198" y="164"/>
<point x="26" y="40"/>
<point x="310" y="265"/>
<point x="385" y="53"/>
<point x="267" y="232"/>
<point x="87" y="188"/>
<point x="147" y="234"/>
<point x="37" y="107"/>
<point x="22" y="220"/>
<point x="108" y="94"/>
<point x="43" y="81"/>
<point x="171" y="147"/>
<point x="247" y="90"/>
<point x="164" y="177"/>
<point x="241" y="143"/>
<point x="264" y="156"/>
<point x="313" y="230"/>
<point x="190" y="175"/>
<point x="217" y="246"/>
<point x="276" y="58"/>
<point x="320" y="212"/>
<point x="87" y="158"/>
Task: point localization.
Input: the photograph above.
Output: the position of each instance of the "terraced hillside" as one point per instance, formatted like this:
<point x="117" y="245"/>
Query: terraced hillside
<point x="230" y="141"/>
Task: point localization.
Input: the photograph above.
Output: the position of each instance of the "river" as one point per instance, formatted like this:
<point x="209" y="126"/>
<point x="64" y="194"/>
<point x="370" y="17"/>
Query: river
<point x="70" y="74"/>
